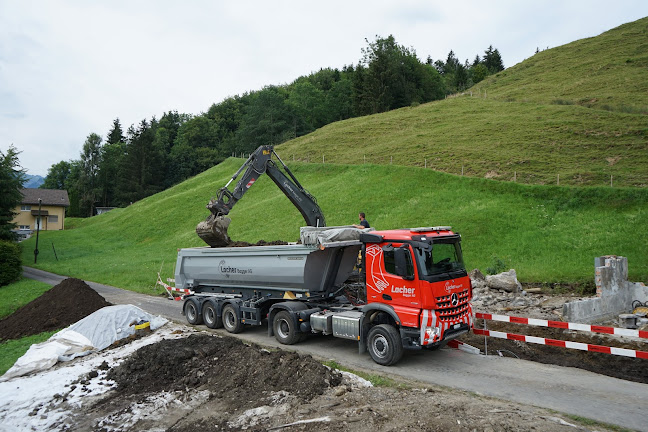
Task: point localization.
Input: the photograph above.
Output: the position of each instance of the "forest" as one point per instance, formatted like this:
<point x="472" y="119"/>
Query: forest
<point x="155" y="154"/>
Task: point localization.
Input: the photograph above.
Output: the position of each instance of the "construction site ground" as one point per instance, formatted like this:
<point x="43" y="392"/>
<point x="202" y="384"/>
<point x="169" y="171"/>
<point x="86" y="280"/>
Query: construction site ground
<point x="195" y="379"/>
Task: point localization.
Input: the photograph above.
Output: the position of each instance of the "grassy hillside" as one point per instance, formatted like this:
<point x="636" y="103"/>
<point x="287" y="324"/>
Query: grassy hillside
<point x="549" y="234"/>
<point x="573" y="115"/>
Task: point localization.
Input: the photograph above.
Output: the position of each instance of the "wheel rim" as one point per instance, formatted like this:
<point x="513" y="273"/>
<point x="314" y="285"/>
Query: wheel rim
<point x="209" y="315"/>
<point x="380" y="346"/>
<point x="283" y="329"/>
<point x="191" y="311"/>
<point x="230" y="319"/>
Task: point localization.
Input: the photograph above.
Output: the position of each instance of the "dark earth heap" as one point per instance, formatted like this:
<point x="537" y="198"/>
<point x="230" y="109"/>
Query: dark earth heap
<point x="236" y="370"/>
<point x="59" y="307"/>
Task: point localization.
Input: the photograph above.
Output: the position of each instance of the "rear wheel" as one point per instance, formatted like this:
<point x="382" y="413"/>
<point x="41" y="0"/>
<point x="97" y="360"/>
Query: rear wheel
<point x="231" y="320"/>
<point x="211" y="318"/>
<point x="285" y="329"/>
<point x="192" y="312"/>
<point x="384" y="344"/>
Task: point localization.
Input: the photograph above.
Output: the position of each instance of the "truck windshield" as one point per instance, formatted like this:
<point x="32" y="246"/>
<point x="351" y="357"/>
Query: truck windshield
<point x="440" y="258"/>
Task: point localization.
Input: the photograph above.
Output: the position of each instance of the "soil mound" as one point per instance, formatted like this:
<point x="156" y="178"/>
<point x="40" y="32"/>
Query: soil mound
<point x="241" y="374"/>
<point x="61" y="306"/>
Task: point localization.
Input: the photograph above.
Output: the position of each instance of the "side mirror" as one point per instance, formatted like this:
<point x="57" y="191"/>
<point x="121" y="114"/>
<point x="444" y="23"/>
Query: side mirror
<point x="400" y="261"/>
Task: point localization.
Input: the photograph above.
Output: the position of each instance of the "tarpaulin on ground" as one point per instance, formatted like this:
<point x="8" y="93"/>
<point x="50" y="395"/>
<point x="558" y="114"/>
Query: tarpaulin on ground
<point x="93" y="333"/>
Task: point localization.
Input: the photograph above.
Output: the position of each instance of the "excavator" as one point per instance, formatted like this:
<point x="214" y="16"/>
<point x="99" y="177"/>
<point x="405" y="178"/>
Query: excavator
<point x="213" y="230"/>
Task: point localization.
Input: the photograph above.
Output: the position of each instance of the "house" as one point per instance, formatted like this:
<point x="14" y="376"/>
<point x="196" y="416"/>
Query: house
<point x="53" y="204"/>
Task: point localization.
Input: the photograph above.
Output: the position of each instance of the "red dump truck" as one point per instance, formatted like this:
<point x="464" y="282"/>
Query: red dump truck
<point x="388" y="290"/>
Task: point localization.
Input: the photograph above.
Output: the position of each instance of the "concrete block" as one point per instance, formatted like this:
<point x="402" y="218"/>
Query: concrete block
<point x="614" y="293"/>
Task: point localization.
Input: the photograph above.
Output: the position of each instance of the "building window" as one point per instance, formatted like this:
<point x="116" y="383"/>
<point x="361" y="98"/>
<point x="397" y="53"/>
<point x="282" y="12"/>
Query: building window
<point x="24" y="227"/>
<point x="25" y="208"/>
<point x="52" y="219"/>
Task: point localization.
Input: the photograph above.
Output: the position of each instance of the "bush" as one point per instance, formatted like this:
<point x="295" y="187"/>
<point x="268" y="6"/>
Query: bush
<point x="10" y="264"/>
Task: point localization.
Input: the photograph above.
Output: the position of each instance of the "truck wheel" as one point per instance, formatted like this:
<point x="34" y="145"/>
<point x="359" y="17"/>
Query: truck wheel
<point x="211" y="318"/>
<point x="384" y="344"/>
<point x="285" y="330"/>
<point x="231" y="320"/>
<point x="191" y="311"/>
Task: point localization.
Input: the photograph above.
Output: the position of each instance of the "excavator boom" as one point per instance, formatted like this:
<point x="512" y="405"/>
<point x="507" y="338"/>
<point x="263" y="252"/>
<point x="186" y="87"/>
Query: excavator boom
<point x="213" y="230"/>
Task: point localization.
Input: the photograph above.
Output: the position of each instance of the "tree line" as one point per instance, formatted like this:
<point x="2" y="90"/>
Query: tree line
<point x="155" y="154"/>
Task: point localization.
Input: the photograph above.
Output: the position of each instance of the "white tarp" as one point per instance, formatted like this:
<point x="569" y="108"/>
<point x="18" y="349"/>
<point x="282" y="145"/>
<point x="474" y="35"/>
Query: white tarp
<point x="321" y="235"/>
<point x="93" y="333"/>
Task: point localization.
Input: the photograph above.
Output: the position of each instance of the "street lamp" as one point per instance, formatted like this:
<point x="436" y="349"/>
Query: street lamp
<point x="38" y="223"/>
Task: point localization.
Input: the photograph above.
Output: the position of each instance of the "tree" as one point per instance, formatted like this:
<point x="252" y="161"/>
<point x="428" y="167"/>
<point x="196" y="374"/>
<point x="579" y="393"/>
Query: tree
<point x="116" y="133"/>
<point x="493" y="60"/>
<point x="57" y="176"/>
<point x="89" y="178"/>
<point x="12" y="177"/>
<point x="391" y="76"/>
<point x="269" y="119"/>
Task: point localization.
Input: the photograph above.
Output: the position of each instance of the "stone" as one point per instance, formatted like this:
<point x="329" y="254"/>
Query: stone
<point x="506" y="281"/>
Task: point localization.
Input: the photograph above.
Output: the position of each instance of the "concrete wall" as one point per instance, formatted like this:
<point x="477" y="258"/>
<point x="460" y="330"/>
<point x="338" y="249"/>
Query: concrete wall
<point x="614" y="293"/>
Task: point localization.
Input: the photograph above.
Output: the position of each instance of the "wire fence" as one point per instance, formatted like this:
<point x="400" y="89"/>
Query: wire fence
<point x="566" y="179"/>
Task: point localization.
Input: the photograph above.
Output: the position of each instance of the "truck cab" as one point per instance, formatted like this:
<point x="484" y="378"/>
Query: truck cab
<point x="417" y="276"/>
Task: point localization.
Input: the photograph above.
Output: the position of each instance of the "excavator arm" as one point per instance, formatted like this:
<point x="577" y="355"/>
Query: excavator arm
<point x="213" y="230"/>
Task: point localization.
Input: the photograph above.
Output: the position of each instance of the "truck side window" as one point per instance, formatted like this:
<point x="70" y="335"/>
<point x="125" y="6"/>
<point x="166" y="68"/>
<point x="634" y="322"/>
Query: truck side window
<point x="390" y="262"/>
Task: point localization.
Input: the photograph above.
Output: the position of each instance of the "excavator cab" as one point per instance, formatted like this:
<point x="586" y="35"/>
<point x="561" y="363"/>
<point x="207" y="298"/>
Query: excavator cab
<point x="213" y="230"/>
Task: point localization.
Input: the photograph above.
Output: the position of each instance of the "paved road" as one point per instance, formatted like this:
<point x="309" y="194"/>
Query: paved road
<point x="567" y="390"/>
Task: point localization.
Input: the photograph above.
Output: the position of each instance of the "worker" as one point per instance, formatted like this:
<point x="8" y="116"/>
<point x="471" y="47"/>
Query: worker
<point x="363" y="221"/>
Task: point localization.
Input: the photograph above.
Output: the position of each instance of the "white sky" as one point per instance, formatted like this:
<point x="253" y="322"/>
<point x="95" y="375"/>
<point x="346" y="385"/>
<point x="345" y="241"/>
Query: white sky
<point x="69" y="68"/>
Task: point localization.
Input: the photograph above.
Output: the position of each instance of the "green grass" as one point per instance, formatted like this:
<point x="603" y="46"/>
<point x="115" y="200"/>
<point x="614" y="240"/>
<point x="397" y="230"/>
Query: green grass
<point x="14" y="296"/>
<point x="12" y="350"/>
<point x="375" y="379"/>
<point x="547" y="233"/>
<point x="576" y="114"/>
<point x="18" y="294"/>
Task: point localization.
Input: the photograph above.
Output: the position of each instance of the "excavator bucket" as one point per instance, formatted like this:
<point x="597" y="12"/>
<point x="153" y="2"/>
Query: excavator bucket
<point x="213" y="230"/>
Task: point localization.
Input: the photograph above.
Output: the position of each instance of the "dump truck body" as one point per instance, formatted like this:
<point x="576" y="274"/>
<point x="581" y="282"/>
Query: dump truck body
<point x="410" y="288"/>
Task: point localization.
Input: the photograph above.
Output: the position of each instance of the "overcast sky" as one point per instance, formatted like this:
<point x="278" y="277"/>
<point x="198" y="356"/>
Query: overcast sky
<point x="69" y="68"/>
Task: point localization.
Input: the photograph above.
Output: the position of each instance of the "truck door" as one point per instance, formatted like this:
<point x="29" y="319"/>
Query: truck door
<point x="391" y="275"/>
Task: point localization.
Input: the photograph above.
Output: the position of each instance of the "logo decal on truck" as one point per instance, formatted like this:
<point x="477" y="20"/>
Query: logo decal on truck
<point x="450" y="286"/>
<point x="228" y="270"/>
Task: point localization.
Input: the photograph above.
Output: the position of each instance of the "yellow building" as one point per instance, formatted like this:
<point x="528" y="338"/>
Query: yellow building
<point x="53" y="203"/>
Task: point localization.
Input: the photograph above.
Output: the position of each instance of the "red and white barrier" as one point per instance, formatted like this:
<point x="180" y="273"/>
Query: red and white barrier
<point x="565" y="325"/>
<point x="564" y="344"/>
<point x="170" y="290"/>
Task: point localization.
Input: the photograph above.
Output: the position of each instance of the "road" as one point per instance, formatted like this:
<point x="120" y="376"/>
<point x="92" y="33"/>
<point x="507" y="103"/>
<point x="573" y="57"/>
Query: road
<point x="568" y="390"/>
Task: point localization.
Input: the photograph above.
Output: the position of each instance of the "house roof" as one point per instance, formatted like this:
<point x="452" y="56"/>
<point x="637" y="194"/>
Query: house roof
<point x="50" y="197"/>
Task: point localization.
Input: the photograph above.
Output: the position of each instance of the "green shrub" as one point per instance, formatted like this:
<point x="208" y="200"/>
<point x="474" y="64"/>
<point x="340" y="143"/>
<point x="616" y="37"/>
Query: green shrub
<point x="10" y="264"/>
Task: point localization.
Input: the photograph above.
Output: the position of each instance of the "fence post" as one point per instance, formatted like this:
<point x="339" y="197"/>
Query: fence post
<point x="514" y="176"/>
<point x="322" y="158"/>
<point x="611" y="180"/>
<point x="425" y="162"/>
<point x="365" y="158"/>
<point x="462" y="170"/>
<point x="558" y="181"/>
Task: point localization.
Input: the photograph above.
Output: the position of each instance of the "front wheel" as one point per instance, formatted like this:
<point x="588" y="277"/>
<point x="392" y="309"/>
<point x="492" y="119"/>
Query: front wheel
<point x="231" y="320"/>
<point x="285" y="329"/>
<point x="384" y="344"/>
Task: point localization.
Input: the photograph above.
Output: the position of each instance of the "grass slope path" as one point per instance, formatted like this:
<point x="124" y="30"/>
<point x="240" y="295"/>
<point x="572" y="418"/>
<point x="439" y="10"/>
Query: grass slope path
<point x="548" y="234"/>
<point x="572" y="115"/>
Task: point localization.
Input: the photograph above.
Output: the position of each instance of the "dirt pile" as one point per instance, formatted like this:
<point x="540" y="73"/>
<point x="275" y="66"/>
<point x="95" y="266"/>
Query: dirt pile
<point x="225" y="366"/>
<point x="61" y="306"/>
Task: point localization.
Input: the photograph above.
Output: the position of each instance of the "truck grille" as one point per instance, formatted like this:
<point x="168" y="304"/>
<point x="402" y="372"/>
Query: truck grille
<point x="448" y="312"/>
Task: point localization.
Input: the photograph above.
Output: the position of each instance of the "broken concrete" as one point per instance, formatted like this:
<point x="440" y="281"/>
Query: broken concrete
<point x="506" y="281"/>
<point x="614" y="293"/>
